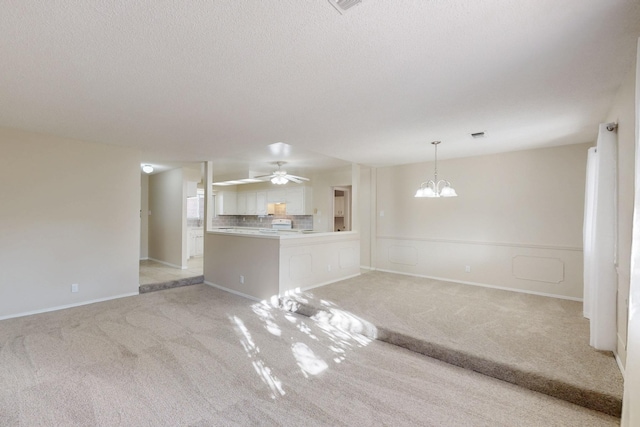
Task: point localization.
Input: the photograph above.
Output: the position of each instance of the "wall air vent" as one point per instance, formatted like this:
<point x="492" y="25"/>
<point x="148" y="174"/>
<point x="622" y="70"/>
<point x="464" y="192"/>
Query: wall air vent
<point x="344" y="5"/>
<point x="477" y="135"/>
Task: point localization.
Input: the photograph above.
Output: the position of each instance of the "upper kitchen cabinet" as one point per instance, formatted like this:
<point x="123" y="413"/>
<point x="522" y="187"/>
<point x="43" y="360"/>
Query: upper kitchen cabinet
<point x="241" y="203"/>
<point x="276" y="196"/>
<point x="261" y="203"/>
<point x="251" y="203"/>
<point x="226" y="203"/>
<point x="299" y="201"/>
<point x="251" y="206"/>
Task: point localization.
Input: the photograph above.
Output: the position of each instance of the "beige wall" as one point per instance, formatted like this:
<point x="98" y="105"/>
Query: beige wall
<point x="366" y="211"/>
<point x="167" y="221"/>
<point x="69" y="214"/>
<point x="323" y="196"/>
<point x="517" y="222"/>
<point x="623" y="112"/>
<point x="227" y="257"/>
<point x="144" y="216"/>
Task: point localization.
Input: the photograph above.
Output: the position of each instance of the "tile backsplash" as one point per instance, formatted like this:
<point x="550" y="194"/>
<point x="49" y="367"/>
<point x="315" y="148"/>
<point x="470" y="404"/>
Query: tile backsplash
<point x="298" y="222"/>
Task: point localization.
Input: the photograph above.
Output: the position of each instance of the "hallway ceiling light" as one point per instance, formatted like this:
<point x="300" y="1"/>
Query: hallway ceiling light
<point x="147" y="168"/>
<point x="435" y="188"/>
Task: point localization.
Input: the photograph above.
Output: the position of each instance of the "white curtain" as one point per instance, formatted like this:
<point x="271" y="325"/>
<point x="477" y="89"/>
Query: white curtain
<point x="588" y="230"/>
<point x="600" y="278"/>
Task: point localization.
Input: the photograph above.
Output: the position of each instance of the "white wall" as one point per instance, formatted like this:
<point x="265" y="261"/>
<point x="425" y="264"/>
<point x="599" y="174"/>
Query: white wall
<point x="318" y="259"/>
<point x="144" y="216"/>
<point x="69" y="214"/>
<point x="517" y="222"/>
<point x="167" y="222"/>
<point x="631" y="400"/>
<point x="623" y="112"/>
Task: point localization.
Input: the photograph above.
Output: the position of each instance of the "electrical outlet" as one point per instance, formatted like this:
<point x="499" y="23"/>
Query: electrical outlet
<point x="467" y="268"/>
<point x="74" y="287"/>
<point x="242" y="280"/>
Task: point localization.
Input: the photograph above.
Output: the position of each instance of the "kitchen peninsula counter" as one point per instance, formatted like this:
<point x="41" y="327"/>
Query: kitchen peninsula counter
<point x="261" y="263"/>
<point x="271" y="233"/>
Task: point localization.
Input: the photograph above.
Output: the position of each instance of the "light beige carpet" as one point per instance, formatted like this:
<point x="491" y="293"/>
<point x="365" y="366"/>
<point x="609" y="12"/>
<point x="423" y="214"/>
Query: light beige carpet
<point x="537" y="342"/>
<point x="197" y="356"/>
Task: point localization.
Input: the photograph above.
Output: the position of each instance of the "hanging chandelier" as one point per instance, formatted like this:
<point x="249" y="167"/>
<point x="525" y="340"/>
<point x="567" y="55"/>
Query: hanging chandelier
<point x="435" y="188"/>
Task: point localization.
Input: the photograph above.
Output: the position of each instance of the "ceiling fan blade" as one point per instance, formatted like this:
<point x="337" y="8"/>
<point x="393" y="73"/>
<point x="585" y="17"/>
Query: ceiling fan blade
<point x="264" y="176"/>
<point x="293" y="179"/>
<point x="297" y="177"/>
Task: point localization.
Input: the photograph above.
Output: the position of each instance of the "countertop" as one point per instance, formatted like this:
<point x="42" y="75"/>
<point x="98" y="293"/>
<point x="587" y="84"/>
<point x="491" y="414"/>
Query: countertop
<point x="272" y="233"/>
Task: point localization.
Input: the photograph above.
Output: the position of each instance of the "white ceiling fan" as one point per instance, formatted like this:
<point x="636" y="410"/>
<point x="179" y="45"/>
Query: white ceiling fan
<point x="280" y="177"/>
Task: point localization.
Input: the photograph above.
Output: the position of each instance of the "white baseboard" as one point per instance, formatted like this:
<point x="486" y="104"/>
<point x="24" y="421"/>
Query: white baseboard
<point x="168" y="263"/>
<point x="231" y="291"/>
<point x="619" y="362"/>
<point x="484" y="285"/>
<point x="63" y="307"/>
<point x="222" y="288"/>
<point x="144" y="259"/>
<point x="330" y="282"/>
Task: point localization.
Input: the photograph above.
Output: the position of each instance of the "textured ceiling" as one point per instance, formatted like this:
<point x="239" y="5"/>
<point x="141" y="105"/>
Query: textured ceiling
<point x="191" y="81"/>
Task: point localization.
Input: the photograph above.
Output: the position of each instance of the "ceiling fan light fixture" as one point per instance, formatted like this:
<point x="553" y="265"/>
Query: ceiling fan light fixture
<point x="280" y="177"/>
<point x="279" y="180"/>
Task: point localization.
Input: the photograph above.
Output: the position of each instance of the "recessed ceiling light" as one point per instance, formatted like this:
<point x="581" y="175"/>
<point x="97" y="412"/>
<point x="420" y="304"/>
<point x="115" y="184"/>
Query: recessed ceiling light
<point x="147" y="168"/>
<point x="477" y="135"/>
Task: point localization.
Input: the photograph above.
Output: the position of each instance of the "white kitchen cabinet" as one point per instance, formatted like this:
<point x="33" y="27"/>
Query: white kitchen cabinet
<point x="251" y="203"/>
<point x="241" y="203"/>
<point x="261" y="203"/>
<point x="299" y="201"/>
<point x="276" y="196"/>
<point x="226" y="203"/>
<point x="338" y="206"/>
<point x="196" y="242"/>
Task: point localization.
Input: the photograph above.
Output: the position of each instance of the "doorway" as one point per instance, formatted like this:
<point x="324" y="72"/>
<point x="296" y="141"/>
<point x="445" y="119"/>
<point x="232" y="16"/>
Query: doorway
<point x="342" y="208"/>
<point x="171" y="229"/>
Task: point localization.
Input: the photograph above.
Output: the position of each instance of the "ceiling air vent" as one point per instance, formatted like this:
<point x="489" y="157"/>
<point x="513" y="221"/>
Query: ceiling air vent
<point x="478" y="135"/>
<point x="344" y="5"/>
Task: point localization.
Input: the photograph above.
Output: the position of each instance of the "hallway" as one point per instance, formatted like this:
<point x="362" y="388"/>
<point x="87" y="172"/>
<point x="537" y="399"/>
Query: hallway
<point x="155" y="276"/>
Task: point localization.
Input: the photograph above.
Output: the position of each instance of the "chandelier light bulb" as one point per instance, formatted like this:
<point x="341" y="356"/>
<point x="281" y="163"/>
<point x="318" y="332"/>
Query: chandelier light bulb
<point x="435" y="188"/>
